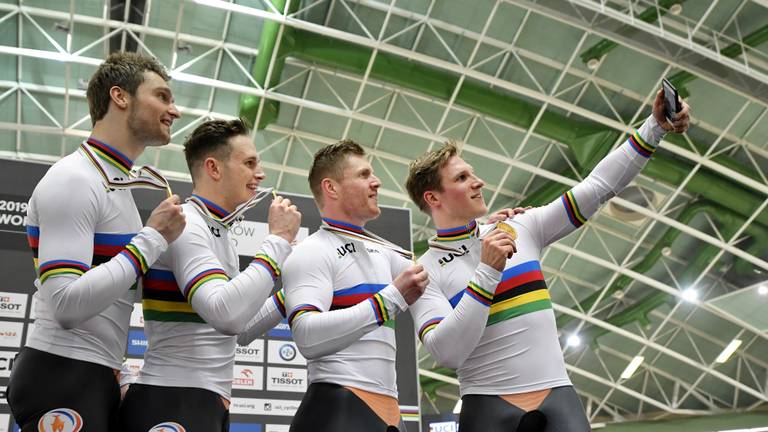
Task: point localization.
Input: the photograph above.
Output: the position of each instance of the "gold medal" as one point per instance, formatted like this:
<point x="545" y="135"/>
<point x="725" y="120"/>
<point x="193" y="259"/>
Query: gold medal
<point x="507" y="228"/>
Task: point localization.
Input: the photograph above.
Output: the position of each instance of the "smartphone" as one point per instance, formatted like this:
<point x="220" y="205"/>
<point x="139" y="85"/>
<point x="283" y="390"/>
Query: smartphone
<point x="671" y="100"/>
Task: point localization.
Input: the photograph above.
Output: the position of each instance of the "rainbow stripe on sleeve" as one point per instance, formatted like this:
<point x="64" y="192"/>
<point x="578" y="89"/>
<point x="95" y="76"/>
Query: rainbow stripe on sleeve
<point x="379" y="308"/>
<point x="640" y="146"/>
<point x="268" y="263"/>
<point x="428" y="327"/>
<point x="478" y="293"/>
<point x="200" y="279"/>
<point x="136" y="259"/>
<point x="61" y="267"/>
<point x="279" y="299"/>
<point x="301" y="310"/>
<point x="572" y="209"/>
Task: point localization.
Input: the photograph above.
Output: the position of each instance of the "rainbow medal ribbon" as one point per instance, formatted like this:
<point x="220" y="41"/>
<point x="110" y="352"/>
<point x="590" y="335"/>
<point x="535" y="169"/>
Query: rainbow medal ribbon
<point x="145" y="177"/>
<point x="366" y="236"/>
<point x="236" y="216"/>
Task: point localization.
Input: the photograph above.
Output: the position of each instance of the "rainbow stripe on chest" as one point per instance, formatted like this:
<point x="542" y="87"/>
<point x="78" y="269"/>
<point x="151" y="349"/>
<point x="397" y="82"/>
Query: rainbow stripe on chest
<point x="522" y="290"/>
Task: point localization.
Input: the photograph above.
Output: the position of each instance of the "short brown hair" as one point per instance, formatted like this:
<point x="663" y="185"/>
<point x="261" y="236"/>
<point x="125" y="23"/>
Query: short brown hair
<point x="329" y="163"/>
<point x="122" y="69"/>
<point x="211" y="139"/>
<point x="424" y="173"/>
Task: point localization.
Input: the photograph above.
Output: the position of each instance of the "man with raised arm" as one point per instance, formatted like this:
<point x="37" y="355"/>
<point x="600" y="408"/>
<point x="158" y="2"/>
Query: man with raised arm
<point x="90" y="248"/>
<point x="501" y="337"/>
<point x="343" y="288"/>
<point x="195" y="297"/>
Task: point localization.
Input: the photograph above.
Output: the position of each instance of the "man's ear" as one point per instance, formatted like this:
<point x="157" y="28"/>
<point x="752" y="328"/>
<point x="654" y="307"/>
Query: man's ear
<point x="432" y="199"/>
<point x="119" y="97"/>
<point x="330" y="188"/>
<point x="212" y="168"/>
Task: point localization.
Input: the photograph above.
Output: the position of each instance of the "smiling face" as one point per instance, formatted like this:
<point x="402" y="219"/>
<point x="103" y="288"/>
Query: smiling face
<point x="461" y="197"/>
<point x="152" y="111"/>
<point x="241" y="173"/>
<point x="358" y="191"/>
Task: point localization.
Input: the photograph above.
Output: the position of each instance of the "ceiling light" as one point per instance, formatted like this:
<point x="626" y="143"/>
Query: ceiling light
<point x="690" y="295"/>
<point x="593" y="63"/>
<point x="457" y="408"/>
<point x="728" y="351"/>
<point x="573" y="340"/>
<point x="675" y="9"/>
<point x="632" y="367"/>
<point x="762" y="290"/>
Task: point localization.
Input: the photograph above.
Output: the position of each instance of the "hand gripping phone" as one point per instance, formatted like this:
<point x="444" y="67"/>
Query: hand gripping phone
<point x="671" y="100"/>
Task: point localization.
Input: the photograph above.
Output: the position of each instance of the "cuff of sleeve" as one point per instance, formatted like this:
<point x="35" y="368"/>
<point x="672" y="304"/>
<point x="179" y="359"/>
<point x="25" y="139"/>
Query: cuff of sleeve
<point x="393" y="300"/>
<point x="277" y="248"/>
<point x="651" y="131"/>
<point x="487" y="277"/>
<point x="144" y="249"/>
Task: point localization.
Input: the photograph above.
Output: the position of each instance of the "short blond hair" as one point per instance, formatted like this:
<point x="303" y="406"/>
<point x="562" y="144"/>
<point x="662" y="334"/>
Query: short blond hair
<point x="424" y="173"/>
<point x="329" y="163"/>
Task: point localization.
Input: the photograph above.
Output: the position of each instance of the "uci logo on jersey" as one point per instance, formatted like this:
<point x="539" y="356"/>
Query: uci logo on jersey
<point x="167" y="427"/>
<point x="60" y="420"/>
<point x="451" y="255"/>
<point x="347" y="248"/>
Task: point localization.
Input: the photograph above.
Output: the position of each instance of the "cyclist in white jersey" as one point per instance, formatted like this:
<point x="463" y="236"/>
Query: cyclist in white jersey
<point x="195" y="298"/>
<point x="89" y="249"/>
<point x="509" y="363"/>
<point x="343" y="286"/>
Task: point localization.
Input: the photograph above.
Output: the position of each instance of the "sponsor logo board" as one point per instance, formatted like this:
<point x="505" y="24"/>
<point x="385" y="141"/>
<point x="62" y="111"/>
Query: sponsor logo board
<point x="275" y="407"/>
<point x="284" y="352"/>
<point x="252" y="353"/>
<point x="286" y="379"/>
<point x="137" y="342"/>
<point x="248" y="236"/>
<point x="13" y="305"/>
<point x="6" y="362"/>
<point x="137" y="316"/>
<point x="10" y="334"/>
<point x="247" y="377"/>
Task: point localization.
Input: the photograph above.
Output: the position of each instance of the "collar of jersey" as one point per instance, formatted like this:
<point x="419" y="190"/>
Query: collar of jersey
<point x="344" y="225"/>
<point x="462" y="232"/>
<point x="216" y="212"/>
<point x="110" y="155"/>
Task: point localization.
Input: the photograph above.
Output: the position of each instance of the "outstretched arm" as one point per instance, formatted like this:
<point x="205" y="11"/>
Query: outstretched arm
<point x="611" y="175"/>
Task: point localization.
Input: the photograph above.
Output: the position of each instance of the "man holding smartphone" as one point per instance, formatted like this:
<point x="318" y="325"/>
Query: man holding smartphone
<point x="510" y="366"/>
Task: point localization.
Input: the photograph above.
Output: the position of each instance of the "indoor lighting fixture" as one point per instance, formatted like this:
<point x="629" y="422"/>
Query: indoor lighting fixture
<point x="573" y="340"/>
<point x="728" y="351"/>
<point x="632" y="367"/>
<point x="690" y="295"/>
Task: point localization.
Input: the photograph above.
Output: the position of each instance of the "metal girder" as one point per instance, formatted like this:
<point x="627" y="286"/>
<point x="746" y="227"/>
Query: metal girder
<point x="686" y="52"/>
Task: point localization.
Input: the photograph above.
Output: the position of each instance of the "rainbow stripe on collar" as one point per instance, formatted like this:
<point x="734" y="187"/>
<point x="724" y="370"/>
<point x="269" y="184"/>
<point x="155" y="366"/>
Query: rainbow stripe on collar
<point x="344" y="225"/>
<point x="457" y="233"/>
<point x="111" y="155"/>
<point x="216" y="211"/>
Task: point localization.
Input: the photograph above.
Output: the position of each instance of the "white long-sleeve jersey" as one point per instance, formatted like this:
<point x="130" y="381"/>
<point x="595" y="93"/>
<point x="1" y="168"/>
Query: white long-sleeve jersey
<point x="195" y="300"/>
<point x="508" y="337"/>
<point x="89" y="249"/>
<point x="341" y="304"/>
<point x="267" y="318"/>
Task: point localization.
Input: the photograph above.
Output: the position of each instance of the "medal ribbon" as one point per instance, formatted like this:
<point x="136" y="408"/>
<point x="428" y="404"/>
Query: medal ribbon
<point x="233" y="218"/>
<point x="145" y="177"/>
<point x="364" y="236"/>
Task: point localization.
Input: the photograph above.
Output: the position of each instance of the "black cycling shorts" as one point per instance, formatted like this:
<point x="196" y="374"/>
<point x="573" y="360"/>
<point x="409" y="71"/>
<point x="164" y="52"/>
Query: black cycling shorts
<point x="150" y="408"/>
<point x="51" y="393"/>
<point x="560" y="411"/>
<point x="332" y="408"/>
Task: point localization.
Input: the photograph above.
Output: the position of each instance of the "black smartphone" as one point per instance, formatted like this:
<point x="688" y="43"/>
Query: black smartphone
<point x="671" y="100"/>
